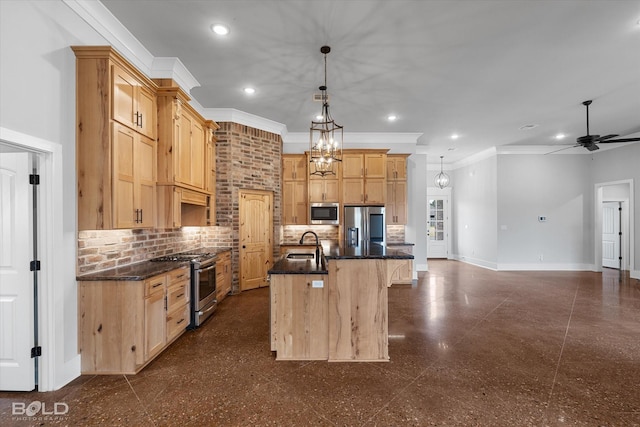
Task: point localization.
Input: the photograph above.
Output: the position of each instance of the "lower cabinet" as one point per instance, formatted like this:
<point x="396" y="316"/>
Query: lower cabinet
<point x="223" y="275"/>
<point x="124" y="324"/>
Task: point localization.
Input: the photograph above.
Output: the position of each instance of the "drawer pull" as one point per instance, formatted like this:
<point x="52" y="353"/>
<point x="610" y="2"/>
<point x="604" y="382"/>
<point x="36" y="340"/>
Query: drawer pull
<point x="180" y="321"/>
<point x="157" y="284"/>
<point x="180" y="276"/>
<point x="181" y="295"/>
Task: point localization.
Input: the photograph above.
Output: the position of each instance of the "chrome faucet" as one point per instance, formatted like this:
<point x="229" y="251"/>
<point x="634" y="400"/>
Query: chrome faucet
<point x="317" y="244"/>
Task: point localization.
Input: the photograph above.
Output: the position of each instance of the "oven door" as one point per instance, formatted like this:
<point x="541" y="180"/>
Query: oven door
<point x="205" y="295"/>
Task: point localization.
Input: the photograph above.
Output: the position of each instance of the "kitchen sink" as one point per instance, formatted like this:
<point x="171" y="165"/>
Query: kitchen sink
<point x="298" y="255"/>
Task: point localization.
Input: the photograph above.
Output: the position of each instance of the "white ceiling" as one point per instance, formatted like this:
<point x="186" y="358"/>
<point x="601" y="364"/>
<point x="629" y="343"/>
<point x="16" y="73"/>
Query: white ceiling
<point x="481" y="69"/>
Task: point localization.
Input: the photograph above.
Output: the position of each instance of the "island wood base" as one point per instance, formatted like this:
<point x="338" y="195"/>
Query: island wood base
<point x="345" y="320"/>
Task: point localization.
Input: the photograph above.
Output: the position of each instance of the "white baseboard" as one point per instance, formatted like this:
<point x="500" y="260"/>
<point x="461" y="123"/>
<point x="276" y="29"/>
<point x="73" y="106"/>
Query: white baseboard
<point x="634" y="274"/>
<point x="475" y="261"/>
<point x="67" y="373"/>
<point x="546" y="267"/>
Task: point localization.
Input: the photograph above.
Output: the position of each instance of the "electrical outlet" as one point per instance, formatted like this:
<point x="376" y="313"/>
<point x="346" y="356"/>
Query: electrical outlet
<point x="541" y="257"/>
<point x="317" y="284"/>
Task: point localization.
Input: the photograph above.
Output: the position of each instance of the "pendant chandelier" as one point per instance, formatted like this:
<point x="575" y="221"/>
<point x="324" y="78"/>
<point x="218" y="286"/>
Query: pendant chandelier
<point x="442" y="179"/>
<point x="325" y="136"/>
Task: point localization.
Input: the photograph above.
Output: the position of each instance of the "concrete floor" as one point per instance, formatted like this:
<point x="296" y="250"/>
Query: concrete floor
<point x="468" y="347"/>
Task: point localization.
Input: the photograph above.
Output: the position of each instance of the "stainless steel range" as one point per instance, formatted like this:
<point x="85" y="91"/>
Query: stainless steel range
<point x="203" y="283"/>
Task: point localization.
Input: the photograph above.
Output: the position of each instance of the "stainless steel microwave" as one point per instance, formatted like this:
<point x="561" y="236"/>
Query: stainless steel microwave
<point x="325" y="213"/>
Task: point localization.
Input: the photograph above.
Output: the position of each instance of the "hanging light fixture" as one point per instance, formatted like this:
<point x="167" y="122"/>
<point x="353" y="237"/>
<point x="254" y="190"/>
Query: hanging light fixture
<point x="442" y="179"/>
<point x="325" y="137"/>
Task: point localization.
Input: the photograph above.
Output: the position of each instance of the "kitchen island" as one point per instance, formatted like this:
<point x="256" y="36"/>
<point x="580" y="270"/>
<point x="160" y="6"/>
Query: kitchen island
<point x="336" y="310"/>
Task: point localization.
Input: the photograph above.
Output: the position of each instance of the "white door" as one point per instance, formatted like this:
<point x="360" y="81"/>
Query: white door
<point x="17" y="368"/>
<point x="611" y="234"/>
<point x="437" y="224"/>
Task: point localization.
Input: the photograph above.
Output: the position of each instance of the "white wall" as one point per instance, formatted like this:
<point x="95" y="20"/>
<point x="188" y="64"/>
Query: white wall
<point x="474" y="213"/>
<point x="617" y="165"/>
<point x="416" y="228"/>
<point x="557" y="187"/>
<point x="37" y="83"/>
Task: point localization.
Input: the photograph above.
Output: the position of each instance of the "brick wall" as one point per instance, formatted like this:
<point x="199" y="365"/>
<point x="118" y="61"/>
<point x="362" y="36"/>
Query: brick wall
<point x="104" y="249"/>
<point x="291" y="233"/>
<point x="246" y="158"/>
<point x="395" y="233"/>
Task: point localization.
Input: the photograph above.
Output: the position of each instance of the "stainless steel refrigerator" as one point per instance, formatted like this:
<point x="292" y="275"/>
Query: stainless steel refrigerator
<point x="364" y="224"/>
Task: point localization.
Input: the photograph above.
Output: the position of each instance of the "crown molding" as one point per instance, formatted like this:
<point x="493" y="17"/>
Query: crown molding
<point x="117" y="35"/>
<point x="241" y="117"/>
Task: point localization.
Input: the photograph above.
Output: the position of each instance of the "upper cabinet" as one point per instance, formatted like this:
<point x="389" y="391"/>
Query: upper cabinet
<point x="364" y="177"/>
<point x="294" y="189"/>
<point x="294" y="167"/>
<point x="115" y="141"/>
<point x="396" y="205"/>
<point x="186" y="160"/>
<point x="134" y="104"/>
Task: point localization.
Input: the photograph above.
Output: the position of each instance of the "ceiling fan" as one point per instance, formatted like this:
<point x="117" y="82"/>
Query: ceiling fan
<point x="589" y="141"/>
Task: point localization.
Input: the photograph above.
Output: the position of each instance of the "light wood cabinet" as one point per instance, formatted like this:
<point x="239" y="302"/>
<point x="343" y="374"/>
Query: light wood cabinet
<point x="299" y="316"/>
<point x="134" y="173"/>
<point x="223" y="275"/>
<point x="294" y="203"/>
<point x="396" y="212"/>
<point x="364" y="177"/>
<point x="294" y="167"/>
<point x="124" y="324"/>
<point x="400" y="271"/>
<point x="294" y="189"/>
<point x="115" y="141"/>
<point x="134" y="104"/>
<point x="154" y="317"/>
<point x="186" y="160"/>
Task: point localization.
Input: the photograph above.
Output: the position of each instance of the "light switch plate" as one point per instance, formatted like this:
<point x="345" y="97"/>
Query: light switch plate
<point x="317" y="284"/>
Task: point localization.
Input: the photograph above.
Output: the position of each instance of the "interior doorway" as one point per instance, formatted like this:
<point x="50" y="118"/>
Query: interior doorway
<point x="256" y="237"/>
<point x="621" y="194"/>
<point x="611" y="235"/>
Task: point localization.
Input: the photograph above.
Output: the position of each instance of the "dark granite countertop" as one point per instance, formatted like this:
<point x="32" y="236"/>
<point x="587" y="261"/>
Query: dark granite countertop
<point x="333" y="251"/>
<point x="142" y="270"/>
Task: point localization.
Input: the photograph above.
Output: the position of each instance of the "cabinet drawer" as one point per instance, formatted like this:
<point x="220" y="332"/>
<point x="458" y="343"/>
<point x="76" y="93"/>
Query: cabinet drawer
<point x="177" y="322"/>
<point x="178" y="275"/>
<point x="177" y="295"/>
<point x="155" y="284"/>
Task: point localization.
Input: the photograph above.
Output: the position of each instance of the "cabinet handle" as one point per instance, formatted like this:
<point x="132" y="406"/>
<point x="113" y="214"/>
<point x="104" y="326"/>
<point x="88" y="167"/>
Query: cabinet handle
<point x="157" y="284"/>
<point x="181" y="295"/>
<point x="180" y="321"/>
<point x="180" y="276"/>
<point x="141" y="120"/>
<point x="140" y="216"/>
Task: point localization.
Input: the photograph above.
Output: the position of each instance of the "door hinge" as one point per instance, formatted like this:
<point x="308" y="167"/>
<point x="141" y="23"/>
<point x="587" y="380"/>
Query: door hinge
<point x="36" y="351"/>
<point x="34" y="265"/>
<point x="34" y="179"/>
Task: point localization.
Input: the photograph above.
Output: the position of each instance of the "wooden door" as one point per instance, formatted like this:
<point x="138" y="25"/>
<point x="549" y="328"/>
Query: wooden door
<point x="352" y="165"/>
<point x="375" y="191"/>
<point x="146" y="109"/>
<point x="294" y="202"/>
<point x="353" y="191"/>
<point x="183" y="145"/>
<point x="145" y="170"/>
<point x="198" y="152"/>
<point x="256" y="234"/>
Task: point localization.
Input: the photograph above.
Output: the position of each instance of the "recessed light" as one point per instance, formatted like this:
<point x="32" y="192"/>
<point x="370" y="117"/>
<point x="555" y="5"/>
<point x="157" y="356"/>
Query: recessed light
<point x="528" y="127"/>
<point x="451" y="148"/>
<point x="219" y="29"/>
<point x="455" y="136"/>
<point x="392" y="117"/>
<point x="249" y="90"/>
<point x="560" y="136"/>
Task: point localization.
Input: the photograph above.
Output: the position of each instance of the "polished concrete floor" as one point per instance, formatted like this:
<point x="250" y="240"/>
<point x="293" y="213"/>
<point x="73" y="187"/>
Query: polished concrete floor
<point x="468" y="347"/>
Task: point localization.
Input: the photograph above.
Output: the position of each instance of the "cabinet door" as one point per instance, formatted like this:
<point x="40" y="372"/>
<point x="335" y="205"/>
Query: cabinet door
<point x="390" y="213"/>
<point x="331" y="190"/>
<point x="198" y="153"/>
<point x="352" y="165"/>
<point x="352" y="191"/>
<point x="375" y="165"/>
<point x="400" y="201"/>
<point x="294" y="167"/>
<point x="294" y="202"/>
<point x="154" y="324"/>
<point x="183" y="147"/>
<point x="396" y="168"/>
<point x="124" y="92"/>
<point x="124" y="210"/>
<point x="375" y="191"/>
<point x="145" y="174"/>
<point x="147" y="109"/>
<point x="316" y="191"/>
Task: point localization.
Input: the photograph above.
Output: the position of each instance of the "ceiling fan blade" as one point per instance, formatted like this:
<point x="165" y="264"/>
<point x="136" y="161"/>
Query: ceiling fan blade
<point x="563" y="148"/>
<point x="602" y="138"/>
<point x="620" y="140"/>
